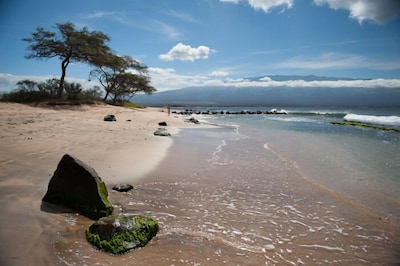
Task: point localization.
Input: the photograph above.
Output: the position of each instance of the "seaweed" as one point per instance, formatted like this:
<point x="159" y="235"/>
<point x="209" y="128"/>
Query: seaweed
<point x="365" y="125"/>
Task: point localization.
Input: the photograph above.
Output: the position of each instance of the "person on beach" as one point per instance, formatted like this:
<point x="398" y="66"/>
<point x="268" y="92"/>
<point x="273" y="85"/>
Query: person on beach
<point x="169" y="109"/>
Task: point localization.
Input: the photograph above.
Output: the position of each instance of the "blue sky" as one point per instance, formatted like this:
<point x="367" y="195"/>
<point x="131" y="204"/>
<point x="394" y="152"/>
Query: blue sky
<point x="216" y="42"/>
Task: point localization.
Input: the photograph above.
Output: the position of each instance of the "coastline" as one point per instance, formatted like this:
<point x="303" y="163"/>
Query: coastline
<point x="218" y="195"/>
<point x="33" y="140"/>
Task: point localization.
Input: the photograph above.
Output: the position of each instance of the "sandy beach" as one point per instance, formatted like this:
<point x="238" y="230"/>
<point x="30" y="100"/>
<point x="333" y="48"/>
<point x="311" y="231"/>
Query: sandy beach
<point x="33" y="140"/>
<point x="220" y="196"/>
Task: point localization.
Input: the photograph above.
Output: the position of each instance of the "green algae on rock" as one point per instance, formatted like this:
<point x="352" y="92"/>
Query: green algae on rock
<point x="365" y="125"/>
<point x="118" y="234"/>
<point x="77" y="186"/>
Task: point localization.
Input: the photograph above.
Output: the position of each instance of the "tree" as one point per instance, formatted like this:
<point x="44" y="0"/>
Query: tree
<point x="129" y="84"/>
<point x="73" y="90"/>
<point x="122" y="76"/>
<point x="26" y="84"/>
<point x="69" y="44"/>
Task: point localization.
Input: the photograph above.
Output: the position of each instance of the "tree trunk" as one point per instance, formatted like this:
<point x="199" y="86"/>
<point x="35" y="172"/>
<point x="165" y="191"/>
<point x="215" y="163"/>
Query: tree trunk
<point x="105" y="97"/>
<point x="64" y="65"/>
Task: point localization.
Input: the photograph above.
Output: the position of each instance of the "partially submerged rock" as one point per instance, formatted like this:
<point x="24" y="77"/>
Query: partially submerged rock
<point x="162" y="132"/>
<point x="122" y="187"/>
<point x="122" y="233"/>
<point x="110" y="118"/>
<point x="192" y="120"/>
<point x="77" y="186"/>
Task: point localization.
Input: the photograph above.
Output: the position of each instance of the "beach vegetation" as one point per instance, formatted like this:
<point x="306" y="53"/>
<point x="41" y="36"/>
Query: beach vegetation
<point x="29" y="91"/>
<point x="69" y="45"/>
<point x="118" y="234"/>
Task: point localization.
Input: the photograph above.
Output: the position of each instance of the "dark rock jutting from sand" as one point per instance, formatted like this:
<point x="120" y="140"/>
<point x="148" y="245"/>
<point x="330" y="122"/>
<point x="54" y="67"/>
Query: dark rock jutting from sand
<point x="110" y="118"/>
<point x="122" y="187"/>
<point x="120" y="234"/>
<point x="162" y="124"/>
<point x="77" y="186"/>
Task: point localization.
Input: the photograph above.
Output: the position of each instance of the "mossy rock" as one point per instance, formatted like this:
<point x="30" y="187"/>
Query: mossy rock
<point x="77" y="186"/>
<point x="118" y="234"/>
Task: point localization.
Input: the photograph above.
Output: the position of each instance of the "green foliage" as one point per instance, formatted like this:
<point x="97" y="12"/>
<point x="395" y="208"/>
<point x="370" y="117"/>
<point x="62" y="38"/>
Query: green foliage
<point x="119" y="234"/>
<point x="69" y="45"/>
<point x="121" y="77"/>
<point x="28" y="91"/>
<point x="131" y="104"/>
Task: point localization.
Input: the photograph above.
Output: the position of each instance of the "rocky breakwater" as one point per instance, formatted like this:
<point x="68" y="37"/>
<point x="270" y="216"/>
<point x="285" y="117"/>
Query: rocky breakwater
<point x="242" y="112"/>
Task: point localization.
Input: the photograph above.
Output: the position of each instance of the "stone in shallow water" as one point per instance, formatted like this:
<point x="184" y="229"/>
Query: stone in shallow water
<point x="77" y="186"/>
<point x="118" y="234"/>
<point x="122" y="187"/>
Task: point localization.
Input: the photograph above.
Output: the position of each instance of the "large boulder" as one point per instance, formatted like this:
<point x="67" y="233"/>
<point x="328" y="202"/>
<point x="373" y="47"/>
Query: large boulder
<point x="122" y="233"/>
<point x="77" y="186"/>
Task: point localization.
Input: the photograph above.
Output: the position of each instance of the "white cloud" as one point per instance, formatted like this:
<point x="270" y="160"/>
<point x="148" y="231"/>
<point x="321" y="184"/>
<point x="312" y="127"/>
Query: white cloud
<point x="181" y="16"/>
<point x="168" y="30"/>
<point x="219" y="73"/>
<point x="186" y="53"/>
<point x="378" y="11"/>
<point x="167" y="79"/>
<point x="264" y="5"/>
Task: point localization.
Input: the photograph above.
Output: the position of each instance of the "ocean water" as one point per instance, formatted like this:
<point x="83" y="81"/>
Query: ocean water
<point x="282" y="189"/>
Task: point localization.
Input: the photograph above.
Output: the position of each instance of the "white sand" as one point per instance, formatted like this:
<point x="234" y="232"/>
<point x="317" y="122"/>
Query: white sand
<point x="34" y="139"/>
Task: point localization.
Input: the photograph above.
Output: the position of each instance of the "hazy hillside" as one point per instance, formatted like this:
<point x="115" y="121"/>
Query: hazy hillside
<point x="274" y="96"/>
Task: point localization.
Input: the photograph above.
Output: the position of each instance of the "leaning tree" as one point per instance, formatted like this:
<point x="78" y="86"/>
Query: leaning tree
<point x="122" y="76"/>
<point x="69" y="45"/>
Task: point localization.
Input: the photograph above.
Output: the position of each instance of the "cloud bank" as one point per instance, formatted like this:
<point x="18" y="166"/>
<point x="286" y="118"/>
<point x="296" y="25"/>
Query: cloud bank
<point x="167" y="79"/>
<point x="186" y="53"/>
<point x="379" y="11"/>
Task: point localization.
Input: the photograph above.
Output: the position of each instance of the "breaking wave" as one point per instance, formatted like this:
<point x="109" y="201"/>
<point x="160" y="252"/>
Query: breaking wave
<point x="382" y="120"/>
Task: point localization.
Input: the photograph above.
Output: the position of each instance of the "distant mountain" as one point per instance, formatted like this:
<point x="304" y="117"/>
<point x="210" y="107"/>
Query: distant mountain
<point x="274" y="96"/>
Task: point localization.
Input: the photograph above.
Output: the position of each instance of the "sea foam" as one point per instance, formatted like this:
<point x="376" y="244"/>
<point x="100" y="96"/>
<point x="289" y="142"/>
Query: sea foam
<point x="384" y="120"/>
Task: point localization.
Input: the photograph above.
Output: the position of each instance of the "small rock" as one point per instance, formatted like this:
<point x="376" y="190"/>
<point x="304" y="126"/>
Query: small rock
<point x="192" y="120"/>
<point x="162" y="132"/>
<point x="110" y="118"/>
<point x="164" y="124"/>
<point x="122" y="187"/>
